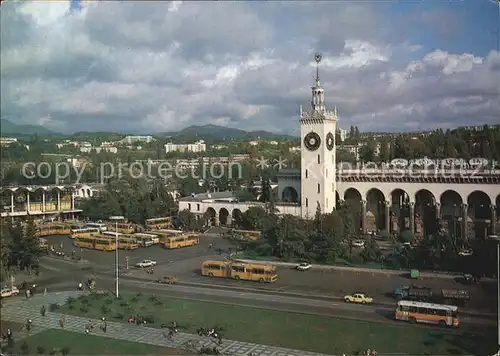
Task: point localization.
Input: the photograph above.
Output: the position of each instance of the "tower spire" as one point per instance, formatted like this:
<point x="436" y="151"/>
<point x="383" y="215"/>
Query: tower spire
<point x="318" y="95"/>
<point x="317" y="58"/>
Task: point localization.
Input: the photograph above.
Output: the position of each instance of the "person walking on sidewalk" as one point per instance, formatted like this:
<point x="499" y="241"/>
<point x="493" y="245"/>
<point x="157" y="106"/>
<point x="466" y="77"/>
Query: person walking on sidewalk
<point x="61" y="321"/>
<point x="42" y="310"/>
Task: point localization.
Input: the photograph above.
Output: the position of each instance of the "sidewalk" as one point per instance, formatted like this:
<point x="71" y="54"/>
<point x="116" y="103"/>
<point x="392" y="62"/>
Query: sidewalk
<point x="21" y="309"/>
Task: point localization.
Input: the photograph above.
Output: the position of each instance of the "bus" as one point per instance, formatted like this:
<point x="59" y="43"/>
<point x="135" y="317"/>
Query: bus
<point x="54" y="229"/>
<point x="123" y="227"/>
<point x="159" y="223"/>
<point x="127" y="243"/>
<point x="181" y="241"/>
<point x="84" y="231"/>
<point x="428" y="313"/>
<point x="238" y="270"/>
<point x="248" y="234"/>
<point x="98" y="243"/>
<point x="100" y="226"/>
<point x="164" y="234"/>
<point x="146" y="240"/>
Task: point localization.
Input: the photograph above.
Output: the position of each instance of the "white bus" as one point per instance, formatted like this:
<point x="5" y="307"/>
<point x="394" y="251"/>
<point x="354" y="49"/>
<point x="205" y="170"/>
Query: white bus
<point x="112" y="233"/>
<point x="82" y="232"/>
<point x="427" y="313"/>
<point x="100" y="226"/>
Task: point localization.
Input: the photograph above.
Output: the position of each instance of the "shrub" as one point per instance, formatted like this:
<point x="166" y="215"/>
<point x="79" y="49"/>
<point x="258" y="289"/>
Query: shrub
<point x="108" y="301"/>
<point x="65" y="350"/>
<point x="150" y="319"/>
<point x="104" y="309"/>
<point x="40" y="349"/>
<point x="71" y="306"/>
<point x="119" y="316"/>
<point x="159" y="303"/>
<point x="138" y="295"/>
<point x="84" y="309"/>
<point x="153" y="298"/>
<point x="134" y="299"/>
<point x="54" y="307"/>
<point x="70" y="300"/>
<point x="25" y="348"/>
<point x="124" y="304"/>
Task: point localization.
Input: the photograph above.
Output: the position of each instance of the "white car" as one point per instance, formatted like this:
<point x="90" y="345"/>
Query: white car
<point x="9" y="292"/>
<point x="146" y="263"/>
<point x="358" y="243"/>
<point x="465" y="253"/>
<point x="304" y="266"/>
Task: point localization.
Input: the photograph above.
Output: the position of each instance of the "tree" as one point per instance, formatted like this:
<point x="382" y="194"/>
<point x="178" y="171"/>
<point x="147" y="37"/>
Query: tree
<point x="186" y="220"/>
<point x="254" y="218"/>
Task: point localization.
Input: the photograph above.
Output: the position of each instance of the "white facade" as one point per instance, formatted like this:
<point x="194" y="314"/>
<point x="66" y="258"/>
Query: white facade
<point x="342" y="134"/>
<point x="132" y="139"/>
<point x="318" y="161"/>
<point x="190" y="147"/>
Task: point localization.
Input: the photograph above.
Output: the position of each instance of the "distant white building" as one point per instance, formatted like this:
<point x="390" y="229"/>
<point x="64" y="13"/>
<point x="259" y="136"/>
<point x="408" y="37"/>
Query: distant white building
<point x="342" y="133"/>
<point x="189" y="147"/>
<point x="133" y="139"/>
<point x="7" y="140"/>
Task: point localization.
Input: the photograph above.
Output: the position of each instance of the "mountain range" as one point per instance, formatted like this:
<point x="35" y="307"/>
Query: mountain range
<point x="8" y="128"/>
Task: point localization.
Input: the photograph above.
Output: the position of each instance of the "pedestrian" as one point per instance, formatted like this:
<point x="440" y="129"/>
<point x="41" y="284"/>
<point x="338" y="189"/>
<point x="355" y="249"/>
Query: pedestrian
<point x="27" y="293"/>
<point x="61" y="321"/>
<point x="42" y="310"/>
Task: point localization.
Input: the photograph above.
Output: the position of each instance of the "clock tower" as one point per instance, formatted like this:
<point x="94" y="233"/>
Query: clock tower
<point x="318" y="160"/>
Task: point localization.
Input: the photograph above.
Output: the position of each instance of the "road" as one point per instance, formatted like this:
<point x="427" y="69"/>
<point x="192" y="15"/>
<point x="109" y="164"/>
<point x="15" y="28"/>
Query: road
<point x="256" y="299"/>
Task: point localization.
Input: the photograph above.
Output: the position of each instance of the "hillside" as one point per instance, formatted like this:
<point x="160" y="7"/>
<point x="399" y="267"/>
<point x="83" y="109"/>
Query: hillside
<point x="8" y="128"/>
<point x="224" y="133"/>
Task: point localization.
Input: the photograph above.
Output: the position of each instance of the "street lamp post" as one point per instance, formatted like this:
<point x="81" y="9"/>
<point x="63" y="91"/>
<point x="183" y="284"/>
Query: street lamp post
<point x="116" y="219"/>
<point x="496" y="238"/>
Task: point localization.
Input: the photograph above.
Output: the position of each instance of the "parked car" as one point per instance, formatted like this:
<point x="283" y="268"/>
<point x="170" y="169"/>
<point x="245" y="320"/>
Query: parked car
<point x="358" y="243"/>
<point x="465" y="253"/>
<point x="304" y="266"/>
<point x="9" y="292"/>
<point x="359" y="298"/>
<point x="146" y="263"/>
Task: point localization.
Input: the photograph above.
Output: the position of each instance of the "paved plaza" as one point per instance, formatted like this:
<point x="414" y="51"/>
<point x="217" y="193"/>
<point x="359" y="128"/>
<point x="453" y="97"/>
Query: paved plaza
<point x="20" y="309"/>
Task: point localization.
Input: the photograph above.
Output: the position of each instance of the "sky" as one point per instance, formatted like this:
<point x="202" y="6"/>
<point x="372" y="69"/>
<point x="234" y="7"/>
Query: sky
<point x="152" y="67"/>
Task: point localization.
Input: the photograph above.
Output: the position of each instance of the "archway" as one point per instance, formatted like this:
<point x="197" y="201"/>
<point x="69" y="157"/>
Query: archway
<point x="223" y="216"/>
<point x="479" y="214"/>
<point x="210" y="216"/>
<point x="237" y="216"/>
<point x="353" y="198"/>
<point x="451" y="217"/>
<point x="425" y="213"/>
<point x="36" y="199"/>
<point x="375" y="204"/>
<point x="21" y="199"/>
<point x="400" y="211"/>
<point x="290" y="195"/>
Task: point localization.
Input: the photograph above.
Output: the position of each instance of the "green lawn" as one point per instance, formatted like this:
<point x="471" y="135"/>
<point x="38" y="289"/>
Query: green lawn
<point x="292" y="330"/>
<point x="49" y="341"/>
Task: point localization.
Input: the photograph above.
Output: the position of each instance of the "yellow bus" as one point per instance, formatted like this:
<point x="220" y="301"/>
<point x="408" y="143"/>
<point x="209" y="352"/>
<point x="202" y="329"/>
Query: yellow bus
<point x="127" y="243"/>
<point x="83" y="232"/>
<point x="123" y="227"/>
<point x="54" y="229"/>
<point x="428" y="313"/>
<point x="248" y="234"/>
<point x="159" y="223"/>
<point x="98" y="243"/>
<point x="181" y="241"/>
<point x="238" y="270"/>
<point x="164" y="234"/>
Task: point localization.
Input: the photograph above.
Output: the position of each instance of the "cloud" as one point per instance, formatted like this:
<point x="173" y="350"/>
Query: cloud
<point x="153" y="67"/>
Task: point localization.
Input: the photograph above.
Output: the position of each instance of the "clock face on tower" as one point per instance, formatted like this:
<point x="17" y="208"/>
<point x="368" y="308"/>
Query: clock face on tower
<point x="312" y="141"/>
<point x="330" y="141"/>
